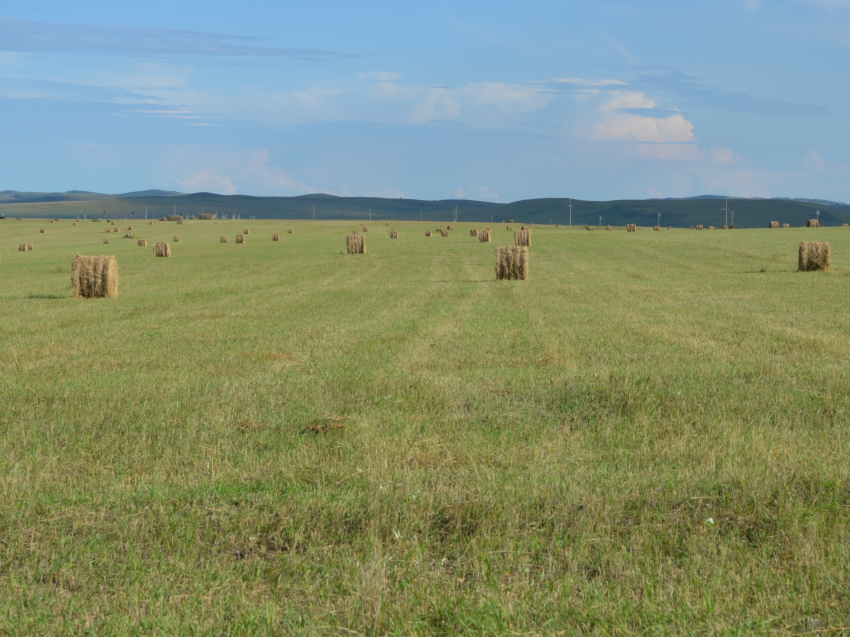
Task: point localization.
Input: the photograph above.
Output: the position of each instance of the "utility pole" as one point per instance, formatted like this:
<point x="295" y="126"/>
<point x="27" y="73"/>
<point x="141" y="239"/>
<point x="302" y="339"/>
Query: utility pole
<point x="175" y="207"/>
<point x="146" y="212"/>
<point x="314" y="212"/>
<point x="571" y="211"/>
<point x="817" y="212"/>
<point x="659" y="219"/>
<point x="600" y="220"/>
<point x="455" y="214"/>
<point x="733" y="218"/>
<point x="370" y="214"/>
<point x="726" y="210"/>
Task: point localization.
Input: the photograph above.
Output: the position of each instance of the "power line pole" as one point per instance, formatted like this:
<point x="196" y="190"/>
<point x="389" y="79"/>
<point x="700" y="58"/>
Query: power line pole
<point x="314" y="212"/>
<point x="571" y="211"/>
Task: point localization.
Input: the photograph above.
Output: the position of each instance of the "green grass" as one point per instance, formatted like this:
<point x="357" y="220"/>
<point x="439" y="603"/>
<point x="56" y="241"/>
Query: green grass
<point x="648" y="437"/>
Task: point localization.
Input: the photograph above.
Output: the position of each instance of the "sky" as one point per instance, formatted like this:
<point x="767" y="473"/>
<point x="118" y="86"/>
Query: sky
<point x="488" y="100"/>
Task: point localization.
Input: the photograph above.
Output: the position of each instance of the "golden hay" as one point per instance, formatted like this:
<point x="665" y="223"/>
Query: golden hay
<point x="786" y="225"/>
<point x="813" y="256"/>
<point x="222" y="239"/>
<point x="22" y="247"/>
<point x="108" y="230"/>
<point x="630" y="227"/>
<point x="508" y="228"/>
<point x="74" y="224"/>
<point x="484" y="236"/>
<point x="725" y="228"/>
<point x="773" y="224"/>
<point x="699" y="227"/>
<point x="512" y="263"/>
<point x="162" y="249"/>
<point x="245" y="231"/>
<point x="289" y="231"/>
<point x="129" y="228"/>
<point x="844" y="225"/>
<point x="365" y="229"/>
<point x="386" y="223"/>
<point x="275" y="237"/>
<point x="813" y="223"/>
<point x="393" y="234"/>
<point x="444" y="233"/>
<point x="656" y="228"/>
<point x="473" y="233"/>
<point x="206" y="216"/>
<point x="176" y="239"/>
<point x="427" y="233"/>
<point x="106" y="239"/>
<point x="522" y="237"/>
<point x="356" y="244"/>
<point x="150" y="223"/>
<point x="163" y="218"/>
<point x="43" y="231"/>
<point x="711" y="227"/>
<point x="116" y="229"/>
<point x="51" y="221"/>
<point x="589" y="228"/>
<point x="29" y="246"/>
<point x="143" y="243"/>
<point x="240" y="238"/>
<point x="177" y="218"/>
<point x="450" y="227"/>
<point x="94" y="277"/>
<point x="608" y="228"/>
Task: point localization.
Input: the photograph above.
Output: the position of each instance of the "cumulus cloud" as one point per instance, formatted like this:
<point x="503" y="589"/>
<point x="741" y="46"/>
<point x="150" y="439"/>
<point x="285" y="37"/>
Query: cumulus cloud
<point x="621" y="121"/>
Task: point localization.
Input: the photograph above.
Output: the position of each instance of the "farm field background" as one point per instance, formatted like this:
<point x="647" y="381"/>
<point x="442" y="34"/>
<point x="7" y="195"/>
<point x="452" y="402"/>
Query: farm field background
<point x="650" y="436"/>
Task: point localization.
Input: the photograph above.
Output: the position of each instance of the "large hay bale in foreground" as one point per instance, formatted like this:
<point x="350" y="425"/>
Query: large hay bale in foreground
<point x="275" y="237"/>
<point x="393" y="234"/>
<point x="356" y="244"/>
<point x="512" y="263"/>
<point x="814" y="256"/>
<point x="813" y="223"/>
<point x="631" y="227"/>
<point x="240" y="238"/>
<point x="222" y="239"/>
<point x="473" y="232"/>
<point x="773" y="224"/>
<point x="786" y="225"/>
<point x="94" y="277"/>
<point x="522" y="237"/>
<point x="162" y="249"/>
<point x="143" y="243"/>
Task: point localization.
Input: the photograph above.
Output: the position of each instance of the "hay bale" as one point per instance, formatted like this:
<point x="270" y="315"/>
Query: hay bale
<point x="473" y="232"/>
<point x="289" y="231"/>
<point x="245" y="231"/>
<point x="814" y="256"/>
<point x="773" y="224"/>
<point x="512" y="263"/>
<point x="393" y="234"/>
<point x="94" y="277"/>
<point x="29" y="246"/>
<point x="786" y="225"/>
<point x="205" y="217"/>
<point x="484" y="236"/>
<point x="522" y="237"/>
<point x="386" y="223"/>
<point x="589" y="228"/>
<point x="116" y="229"/>
<point x="843" y="225"/>
<point x="150" y="223"/>
<point x="365" y="229"/>
<point x="74" y="224"/>
<point x="450" y="227"/>
<point x="22" y="247"/>
<point x="427" y="233"/>
<point x="162" y="249"/>
<point x="240" y="238"/>
<point x="163" y="218"/>
<point x="699" y="227"/>
<point x="724" y="228"/>
<point x="106" y="239"/>
<point x="656" y="228"/>
<point x="43" y="231"/>
<point x="222" y="239"/>
<point x="176" y="239"/>
<point x="608" y="228"/>
<point x="630" y="227"/>
<point x="173" y="218"/>
<point x="444" y="233"/>
<point x="129" y="228"/>
<point x="275" y="237"/>
<point x="108" y="230"/>
<point x="51" y="221"/>
<point x="813" y="223"/>
<point x="356" y="244"/>
<point x="143" y="243"/>
<point x="508" y="228"/>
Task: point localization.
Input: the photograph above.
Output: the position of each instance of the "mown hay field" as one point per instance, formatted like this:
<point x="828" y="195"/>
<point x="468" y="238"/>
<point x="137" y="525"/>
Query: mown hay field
<point x="649" y="436"/>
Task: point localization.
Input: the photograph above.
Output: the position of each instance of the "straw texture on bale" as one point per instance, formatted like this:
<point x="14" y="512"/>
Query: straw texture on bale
<point x="108" y="230"/>
<point x="473" y="232"/>
<point x="116" y="229"/>
<point x="656" y="228"/>
<point x="813" y="223"/>
<point x="813" y="256"/>
<point x="484" y="236"/>
<point x="94" y="277"/>
<point x="222" y="239"/>
<point x="245" y="231"/>
<point x="773" y="224"/>
<point x="275" y="237"/>
<point x="29" y="246"/>
<point x="356" y="244"/>
<point x="699" y="227"/>
<point x="589" y="228"/>
<point x="393" y="234"/>
<point x="289" y="231"/>
<point x="163" y="218"/>
<point x="240" y="238"/>
<point x="427" y="233"/>
<point x="512" y="263"/>
<point x="22" y="247"/>
<point x="205" y="217"/>
<point x="444" y="233"/>
<point x="523" y="237"/>
<point x="162" y="249"/>
<point x="173" y="218"/>
<point x="630" y="227"/>
<point x="74" y="224"/>
<point x="176" y="239"/>
<point x="143" y="243"/>
<point x="150" y="223"/>
<point x="365" y="229"/>
<point x="725" y="228"/>
<point x="711" y="227"/>
<point x="450" y="227"/>
<point x="43" y="231"/>
<point x="508" y="228"/>
<point x="608" y="228"/>
<point x="786" y="225"/>
<point x="106" y="239"/>
<point x="129" y="228"/>
<point x="386" y="223"/>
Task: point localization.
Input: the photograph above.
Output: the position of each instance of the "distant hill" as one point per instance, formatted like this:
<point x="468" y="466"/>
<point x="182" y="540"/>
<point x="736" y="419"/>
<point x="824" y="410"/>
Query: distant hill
<point x="705" y="210"/>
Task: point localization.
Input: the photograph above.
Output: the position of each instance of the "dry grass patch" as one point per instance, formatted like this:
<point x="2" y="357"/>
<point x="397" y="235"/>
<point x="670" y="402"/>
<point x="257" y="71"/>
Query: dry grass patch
<point x="94" y="277"/>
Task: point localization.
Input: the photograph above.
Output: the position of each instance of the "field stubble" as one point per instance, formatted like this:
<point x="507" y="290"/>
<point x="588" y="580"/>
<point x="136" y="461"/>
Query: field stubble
<point x="650" y="436"/>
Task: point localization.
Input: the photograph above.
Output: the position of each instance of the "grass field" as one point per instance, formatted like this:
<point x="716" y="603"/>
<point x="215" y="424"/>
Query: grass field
<point x="648" y="437"/>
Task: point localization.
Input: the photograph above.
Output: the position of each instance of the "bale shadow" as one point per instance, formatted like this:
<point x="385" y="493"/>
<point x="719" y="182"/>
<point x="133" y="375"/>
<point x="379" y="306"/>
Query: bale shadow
<point x="47" y="296"/>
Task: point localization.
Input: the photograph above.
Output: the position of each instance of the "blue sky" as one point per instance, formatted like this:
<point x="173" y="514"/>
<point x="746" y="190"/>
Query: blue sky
<point x="487" y="100"/>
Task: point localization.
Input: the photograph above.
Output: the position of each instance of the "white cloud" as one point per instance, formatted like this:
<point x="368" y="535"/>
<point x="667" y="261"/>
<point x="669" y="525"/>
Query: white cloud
<point x="477" y="192"/>
<point x="633" y="127"/>
<point x="580" y="82"/>
<point x="813" y="160"/>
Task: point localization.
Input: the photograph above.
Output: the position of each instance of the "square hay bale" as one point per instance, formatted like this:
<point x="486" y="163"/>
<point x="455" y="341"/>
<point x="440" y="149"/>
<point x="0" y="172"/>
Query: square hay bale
<point x="240" y="238"/>
<point x="365" y="229"/>
<point x="176" y="239"/>
<point x="52" y="220"/>
<point x="289" y="231"/>
<point x="386" y="223"/>
<point x="711" y="227"/>
<point x="94" y="277"/>
<point x="129" y="228"/>
<point x="177" y="218"/>
<point x="393" y="234"/>
<point x="773" y="224"/>
<point x="222" y="239"/>
<point x="631" y="227"/>
<point x="108" y="230"/>
<point x="844" y="225"/>
<point x="473" y="232"/>
<point x="786" y="225"/>
<point x="74" y="224"/>
<point x="484" y="236"/>
<point x="163" y="218"/>
<point x="512" y="263"/>
<point x="699" y="227"/>
<point x="43" y="231"/>
<point x="444" y="233"/>
<point x="814" y="256"/>
<point x="162" y="249"/>
<point x="522" y="237"/>
<point x="813" y="223"/>
<point x="143" y="243"/>
<point x="116" y="229"/>
<point x="656" y="228"/>
<point x="508" y="228"/>
<point x="356" y="244"/>
<point x="427" y="233"/>
<point x="106" y="239"/>
<point x="150" y="223"/>
<point x="275" y="237"/>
